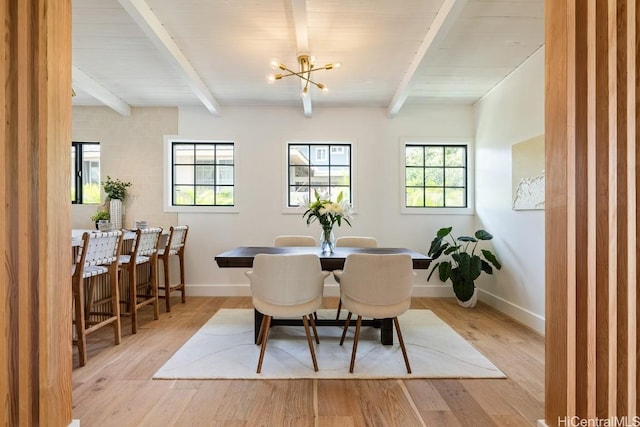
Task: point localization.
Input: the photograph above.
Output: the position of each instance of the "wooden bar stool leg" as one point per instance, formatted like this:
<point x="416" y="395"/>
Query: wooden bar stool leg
<point x="81" y="338"/>
<point x="182" y="284"/>
<point x="167" y="286"/>
<point x="133" y="291"/>
<point x="153" y="268"/>
<point x="115" y="301"/>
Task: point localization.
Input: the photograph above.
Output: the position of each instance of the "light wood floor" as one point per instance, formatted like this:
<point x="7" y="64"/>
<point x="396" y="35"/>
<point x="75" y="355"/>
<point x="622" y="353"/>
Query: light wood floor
<point x="115" y="387"/>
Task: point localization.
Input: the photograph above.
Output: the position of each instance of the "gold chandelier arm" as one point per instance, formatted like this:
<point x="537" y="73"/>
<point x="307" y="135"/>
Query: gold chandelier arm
<point x="302" y="75"/>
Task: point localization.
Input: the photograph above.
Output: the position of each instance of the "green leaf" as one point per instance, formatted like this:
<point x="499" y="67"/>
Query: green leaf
<point x="475" y="267"/>
<point x="432" y="270"/>
<point x="491" y="258"/>
<point x="436" y="243"/>
<point x="467" y="239"/>
<point x="444" y="270"/>
<point x="486" y="267"/>
<point x="444" y="231"/>
<point x="451" y="250"/>
<point x="464" y="264"/>
<point x="339" y="199"/>
<point x="483" y="235"/>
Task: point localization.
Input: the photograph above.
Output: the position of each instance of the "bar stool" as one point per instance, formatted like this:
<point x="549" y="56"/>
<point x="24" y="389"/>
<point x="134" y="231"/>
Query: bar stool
<point x="175" y="246"/>
<point x="97" y="257"/>
<point x="141" y="292"/>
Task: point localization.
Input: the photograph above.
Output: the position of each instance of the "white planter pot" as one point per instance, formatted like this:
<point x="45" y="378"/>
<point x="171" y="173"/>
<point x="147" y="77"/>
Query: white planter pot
<point x="471" y="302"/>
<point x="115" y="213"/>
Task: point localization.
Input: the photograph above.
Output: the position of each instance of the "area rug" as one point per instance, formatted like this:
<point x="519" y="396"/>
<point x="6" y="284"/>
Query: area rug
<point x="224" y="349"/>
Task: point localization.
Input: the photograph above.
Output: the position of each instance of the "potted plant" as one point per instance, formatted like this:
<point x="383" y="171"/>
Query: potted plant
<point x="115" y="189"/>
<point x="101" y="214"/>
<point x="465" y="266"/>
<point x="116" y="192"/>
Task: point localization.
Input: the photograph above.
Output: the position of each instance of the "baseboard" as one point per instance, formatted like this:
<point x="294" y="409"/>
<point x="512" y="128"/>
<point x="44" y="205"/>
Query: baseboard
<point x="74" y="423"/>
<point x="522" y="315"/>
<point x="542" y="423"/>
<point x="330" y="290"/>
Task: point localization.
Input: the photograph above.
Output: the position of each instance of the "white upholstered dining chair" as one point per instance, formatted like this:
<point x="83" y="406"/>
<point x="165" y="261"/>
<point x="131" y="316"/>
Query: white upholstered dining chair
<point x="377" y="286"/>
<point x="353" y="242"/>
<point x="286" y="286"/>
<point x="294" y="240"/>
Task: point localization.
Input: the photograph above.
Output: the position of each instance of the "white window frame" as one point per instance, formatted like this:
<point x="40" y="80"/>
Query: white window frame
<point x="168" y="174"/>
<point x="285" y="171"/>
<point x="470" y="209"/>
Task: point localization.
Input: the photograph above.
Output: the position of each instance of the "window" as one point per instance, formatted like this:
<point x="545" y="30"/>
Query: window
<point x="325" y="168"/>
<point x="85" y="172"/>
<point x="202" y="173"/>
<point x="436" y="176"/>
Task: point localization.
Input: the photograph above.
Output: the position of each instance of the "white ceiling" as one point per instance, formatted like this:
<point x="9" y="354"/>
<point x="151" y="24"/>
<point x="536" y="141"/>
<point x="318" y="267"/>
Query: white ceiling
<point x="216" y="53"/>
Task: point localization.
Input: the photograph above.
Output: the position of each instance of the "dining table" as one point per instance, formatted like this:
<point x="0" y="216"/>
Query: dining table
<point x="243" y="256"/>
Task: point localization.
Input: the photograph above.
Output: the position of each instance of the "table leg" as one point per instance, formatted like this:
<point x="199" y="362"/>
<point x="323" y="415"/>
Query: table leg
<point x="257" y="321"/>
<point x="386" y="332"/>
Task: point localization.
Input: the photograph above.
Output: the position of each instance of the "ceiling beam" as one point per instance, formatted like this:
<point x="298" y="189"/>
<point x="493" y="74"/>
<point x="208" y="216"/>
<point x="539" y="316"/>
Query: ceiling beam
<point x="160" y="37"/>
<point x="87" y="84"/>
<point x="446" y="16"/>
<point x="302" y="43"/>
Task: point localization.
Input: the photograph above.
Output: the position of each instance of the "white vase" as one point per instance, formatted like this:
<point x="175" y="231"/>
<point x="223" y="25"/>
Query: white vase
<point x="115" y="213"/>
<point x="471" y="302"/>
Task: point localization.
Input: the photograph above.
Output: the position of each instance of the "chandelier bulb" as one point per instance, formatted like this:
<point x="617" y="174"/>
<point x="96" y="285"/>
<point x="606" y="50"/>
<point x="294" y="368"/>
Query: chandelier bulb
<point x="275" y="64"/>
<point x="271" y="78"/>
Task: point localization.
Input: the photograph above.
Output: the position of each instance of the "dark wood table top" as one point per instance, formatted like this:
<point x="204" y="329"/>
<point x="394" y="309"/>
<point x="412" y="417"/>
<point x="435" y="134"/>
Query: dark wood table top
<point x="242" y="256"/>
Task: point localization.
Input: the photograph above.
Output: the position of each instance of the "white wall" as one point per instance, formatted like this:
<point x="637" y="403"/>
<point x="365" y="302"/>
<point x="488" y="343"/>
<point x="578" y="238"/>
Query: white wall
<point x="260" y="136"/>
<point x="511" y="113"/>
<point x="130" y="150"/>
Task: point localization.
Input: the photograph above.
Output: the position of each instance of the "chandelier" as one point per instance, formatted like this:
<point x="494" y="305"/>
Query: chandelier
<point x="306" y="64"/>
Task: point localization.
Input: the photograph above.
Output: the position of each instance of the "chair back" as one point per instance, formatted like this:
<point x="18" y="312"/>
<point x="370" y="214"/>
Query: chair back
<point x="357" y="242"/>
<point x="177" y="239"/>
<point x="99" y="248"/>
<point x="290" y="240"/>
<point x="286" y="279"/>
<point x="377" y="279"/>
<point x="146" y="243"/>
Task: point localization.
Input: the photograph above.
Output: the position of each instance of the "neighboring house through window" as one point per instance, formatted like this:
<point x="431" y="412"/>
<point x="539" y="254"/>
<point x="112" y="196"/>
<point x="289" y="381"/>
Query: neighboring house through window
<point x="321" y="167"/>
<point x="85" y="172"/>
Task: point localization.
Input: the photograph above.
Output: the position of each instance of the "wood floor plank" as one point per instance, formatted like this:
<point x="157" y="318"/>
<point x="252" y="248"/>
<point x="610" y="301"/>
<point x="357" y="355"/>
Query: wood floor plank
<point x="440" y="419"/>
<point x="462" y="404"/>
<point x="116" y="385"/>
